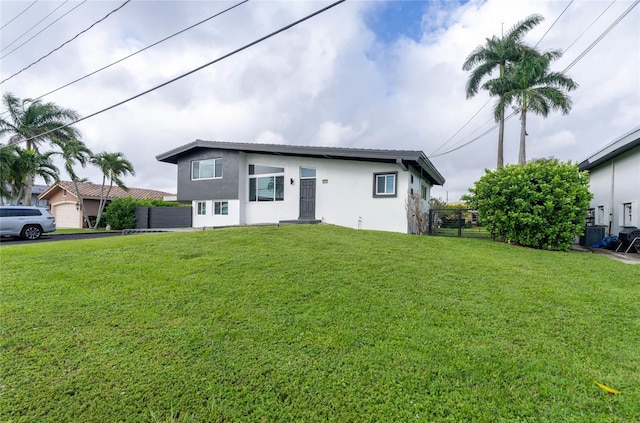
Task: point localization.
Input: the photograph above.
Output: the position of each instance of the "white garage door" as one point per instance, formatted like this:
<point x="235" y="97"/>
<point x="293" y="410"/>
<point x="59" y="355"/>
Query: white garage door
<point x="66" y="215"/>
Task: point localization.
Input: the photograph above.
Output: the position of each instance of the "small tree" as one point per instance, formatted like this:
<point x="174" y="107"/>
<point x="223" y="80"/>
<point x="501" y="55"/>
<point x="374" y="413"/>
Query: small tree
<point x="541" y="205"/>
<point x="417" y="214"/>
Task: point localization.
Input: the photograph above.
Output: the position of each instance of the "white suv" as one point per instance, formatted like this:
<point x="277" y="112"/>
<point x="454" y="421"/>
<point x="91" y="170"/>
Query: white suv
<point x="26" y="221"/>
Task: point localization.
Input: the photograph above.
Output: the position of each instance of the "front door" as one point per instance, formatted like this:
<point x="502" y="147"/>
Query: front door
<point x="308" y="198"/>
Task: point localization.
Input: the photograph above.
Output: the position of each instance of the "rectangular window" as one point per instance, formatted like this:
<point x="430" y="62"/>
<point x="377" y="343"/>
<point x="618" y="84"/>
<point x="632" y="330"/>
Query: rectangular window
<point x="423" y="192"/>
<point x="384" y="184"/>
<point x="201" y="208"/>
<point x="221" y="208"/>
<point x="627" y="214"/>
<point x="206" y="169"/>
<point x="307" y="172"/>
<point x="268" y="187"/>
<point x="601" y="218"/>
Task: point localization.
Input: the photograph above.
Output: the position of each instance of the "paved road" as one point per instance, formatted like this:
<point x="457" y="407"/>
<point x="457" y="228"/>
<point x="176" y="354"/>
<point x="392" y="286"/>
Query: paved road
<point x="60" y="237"/>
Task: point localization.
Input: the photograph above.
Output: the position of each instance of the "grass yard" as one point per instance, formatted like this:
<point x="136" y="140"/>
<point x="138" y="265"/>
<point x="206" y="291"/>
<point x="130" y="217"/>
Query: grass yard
<point x="314" y="323"/>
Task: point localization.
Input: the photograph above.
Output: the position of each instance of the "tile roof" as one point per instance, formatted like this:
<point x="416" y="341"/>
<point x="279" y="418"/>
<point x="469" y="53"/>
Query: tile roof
<point x="89" y="191"/>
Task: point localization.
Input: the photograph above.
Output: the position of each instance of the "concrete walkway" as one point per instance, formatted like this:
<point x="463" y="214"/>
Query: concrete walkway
<point x="629" y="258"/>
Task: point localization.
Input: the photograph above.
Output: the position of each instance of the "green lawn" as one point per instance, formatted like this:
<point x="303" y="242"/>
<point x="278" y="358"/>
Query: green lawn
<point x="314" y="323"/>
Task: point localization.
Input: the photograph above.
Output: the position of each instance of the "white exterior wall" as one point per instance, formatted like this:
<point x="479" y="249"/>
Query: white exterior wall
<point x="344" y="195"/>
<point x="613" y="184"/>
<point x="231" y="219"/>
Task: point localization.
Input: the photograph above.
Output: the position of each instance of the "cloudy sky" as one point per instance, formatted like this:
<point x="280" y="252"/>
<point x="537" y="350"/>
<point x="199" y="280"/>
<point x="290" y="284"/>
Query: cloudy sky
<point x="366" y="74"/>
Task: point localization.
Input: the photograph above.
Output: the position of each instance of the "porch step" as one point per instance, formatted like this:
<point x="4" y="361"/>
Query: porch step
<point x="300" y="222"/>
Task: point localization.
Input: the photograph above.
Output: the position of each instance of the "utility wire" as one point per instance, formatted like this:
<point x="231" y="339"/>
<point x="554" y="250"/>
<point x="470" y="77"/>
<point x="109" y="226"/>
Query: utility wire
<point x="143" y="49"/>
<point x="33" y="26"/>
<point x="238" y="50"/>
<point x="587" y="50"/>
<point x="485" y="104"/>
<point x="604" y="34"/>
<point x="461" y="128"/>
<point x="589" y="27"/>
<point x="45" y="28"/>
<point x="18" y="15"/>
<point x="68" y="41"/>
<point x="554" y="22"/>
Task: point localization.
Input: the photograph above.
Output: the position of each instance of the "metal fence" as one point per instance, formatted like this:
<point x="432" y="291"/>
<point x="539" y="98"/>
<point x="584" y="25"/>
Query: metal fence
<point x="455" y="222"/>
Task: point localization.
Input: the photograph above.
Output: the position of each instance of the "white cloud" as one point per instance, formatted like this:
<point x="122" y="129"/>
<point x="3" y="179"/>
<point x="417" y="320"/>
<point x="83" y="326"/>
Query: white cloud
<point x="328" y="81"/>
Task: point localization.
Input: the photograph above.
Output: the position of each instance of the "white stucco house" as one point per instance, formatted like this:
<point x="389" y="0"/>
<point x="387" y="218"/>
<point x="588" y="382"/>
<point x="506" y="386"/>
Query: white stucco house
<point x="232" y="184"/>
<point x="614" y="179"/>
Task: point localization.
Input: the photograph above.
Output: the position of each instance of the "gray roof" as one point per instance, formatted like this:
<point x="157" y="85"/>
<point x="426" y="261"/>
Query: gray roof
<point x="417" y="159"/>
<point x="621" y="145"/>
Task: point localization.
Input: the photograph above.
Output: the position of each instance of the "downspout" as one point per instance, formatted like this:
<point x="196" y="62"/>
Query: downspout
<point x="613" y="178"/>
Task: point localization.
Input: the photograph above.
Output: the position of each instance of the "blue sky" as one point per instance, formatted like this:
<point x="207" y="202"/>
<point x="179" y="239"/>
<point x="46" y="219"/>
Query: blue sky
<point x="366" y="74"/>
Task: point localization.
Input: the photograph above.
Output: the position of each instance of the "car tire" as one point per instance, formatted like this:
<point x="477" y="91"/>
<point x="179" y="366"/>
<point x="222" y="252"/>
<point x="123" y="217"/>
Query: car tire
<point x="31" y="232"/>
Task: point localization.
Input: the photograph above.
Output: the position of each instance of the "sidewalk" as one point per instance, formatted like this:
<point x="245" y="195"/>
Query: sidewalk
<point x="629" y="258"/>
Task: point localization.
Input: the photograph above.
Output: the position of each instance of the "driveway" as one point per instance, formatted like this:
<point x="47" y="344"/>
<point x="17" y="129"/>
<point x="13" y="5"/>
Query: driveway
<point x="59" y="237"/>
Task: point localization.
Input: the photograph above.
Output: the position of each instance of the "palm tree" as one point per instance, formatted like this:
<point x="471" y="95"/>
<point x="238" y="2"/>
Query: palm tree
<point x="498" y="53"/>
<point x="26" y="165"/>
<point x="531" y="86"/>
<point x="33" y="122"/>
<point x="8" y="157"/>
<point x="75" y="152"/>
<point x="113" y="166"/>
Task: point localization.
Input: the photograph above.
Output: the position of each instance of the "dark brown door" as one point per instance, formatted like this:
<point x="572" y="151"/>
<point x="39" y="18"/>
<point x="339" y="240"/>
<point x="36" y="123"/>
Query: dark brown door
<point x="307" y="198"/>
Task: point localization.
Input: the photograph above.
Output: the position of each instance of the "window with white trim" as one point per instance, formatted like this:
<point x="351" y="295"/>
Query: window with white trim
<point x="266" y="183"/>
<point x="627" y="214"/>
<point x="206" y="169"/>
<point x="385" y="184"/>
<point x="220" y="208"/>
<point x="601" y="217"/>
<point x="201" y="208"/>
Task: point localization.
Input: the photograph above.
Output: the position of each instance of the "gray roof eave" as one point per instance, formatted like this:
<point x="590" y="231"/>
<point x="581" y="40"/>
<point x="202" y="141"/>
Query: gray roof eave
<point x="389" y="156"/>
<point x="614" y="149"/>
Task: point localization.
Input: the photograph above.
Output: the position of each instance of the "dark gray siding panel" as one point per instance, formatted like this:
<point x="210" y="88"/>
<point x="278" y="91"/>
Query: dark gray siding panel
<point x="225" y="188"/>
<point x="163" y="217"/>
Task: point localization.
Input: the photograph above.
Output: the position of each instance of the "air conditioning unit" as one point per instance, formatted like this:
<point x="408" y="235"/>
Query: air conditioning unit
<point x="592" y="235"/>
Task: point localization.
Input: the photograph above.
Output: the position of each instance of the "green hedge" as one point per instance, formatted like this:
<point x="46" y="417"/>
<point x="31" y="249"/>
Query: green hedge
<point x="541" y="205"/>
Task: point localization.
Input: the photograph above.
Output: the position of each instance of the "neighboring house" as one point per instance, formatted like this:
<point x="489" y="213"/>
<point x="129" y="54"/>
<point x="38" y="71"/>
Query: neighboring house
<point x="614" y="179"/>
<point x="65" y="205"/>
<point x="243" y="183"/>
<point x="36" y="190"/>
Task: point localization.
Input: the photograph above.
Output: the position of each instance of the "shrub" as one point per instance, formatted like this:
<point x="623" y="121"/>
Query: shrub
<point x="541" y="205"/>
<point x="121" y="212"/>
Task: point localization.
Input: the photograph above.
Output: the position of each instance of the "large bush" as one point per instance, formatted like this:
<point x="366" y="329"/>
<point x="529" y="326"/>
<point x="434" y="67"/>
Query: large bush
<point x="541" y="205"/>
<point x="121" y="212"/>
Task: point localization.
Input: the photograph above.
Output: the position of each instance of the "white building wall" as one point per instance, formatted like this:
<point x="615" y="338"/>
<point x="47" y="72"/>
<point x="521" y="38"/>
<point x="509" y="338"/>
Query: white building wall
<point x="344" y="195"/>
<point x="614" y="184"/>
<point x="209" y="219"/>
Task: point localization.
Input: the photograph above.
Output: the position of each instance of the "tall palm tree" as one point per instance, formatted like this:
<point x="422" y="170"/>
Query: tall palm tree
<point x="28" y="164"/>
<point x="75" y="152"/>
<point x="497" y="53"/>
<point x="8" y="157"/>
<point x="34" y="122"/>
<point x="530" y="85"/>
<point x="113" y="167"/>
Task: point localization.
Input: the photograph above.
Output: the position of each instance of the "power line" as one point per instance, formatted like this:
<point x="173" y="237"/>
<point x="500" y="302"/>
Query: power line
<point x="143" y="49"/>
<point x="33" y="26"/>
<point x="553" y="24"/>
<point x="45" y="28"/>
<point x="587" y="50"/>
<point x="238" y="50"/>
<point x="461" y="128"/>
<point x="18" y="15"/>
<point x="604" y="34"/>
<point x="68" y="41"/>
<point x="589" y="27"/>
<point x="485" y="104"/>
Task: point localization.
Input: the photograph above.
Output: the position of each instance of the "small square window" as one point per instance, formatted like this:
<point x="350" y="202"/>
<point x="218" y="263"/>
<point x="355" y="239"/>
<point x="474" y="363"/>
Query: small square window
<point x="201" y="208"/>
<point x="221" y="208"/>
<point x="384" y="184"/>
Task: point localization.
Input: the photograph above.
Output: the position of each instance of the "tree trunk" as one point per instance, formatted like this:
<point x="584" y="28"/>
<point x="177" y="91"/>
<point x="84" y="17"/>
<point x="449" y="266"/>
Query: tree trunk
<point x="85" y="218"/>
<point x="522" y="157"/>
<point x="501" y="143"/>
<point x="27" y="190"/>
